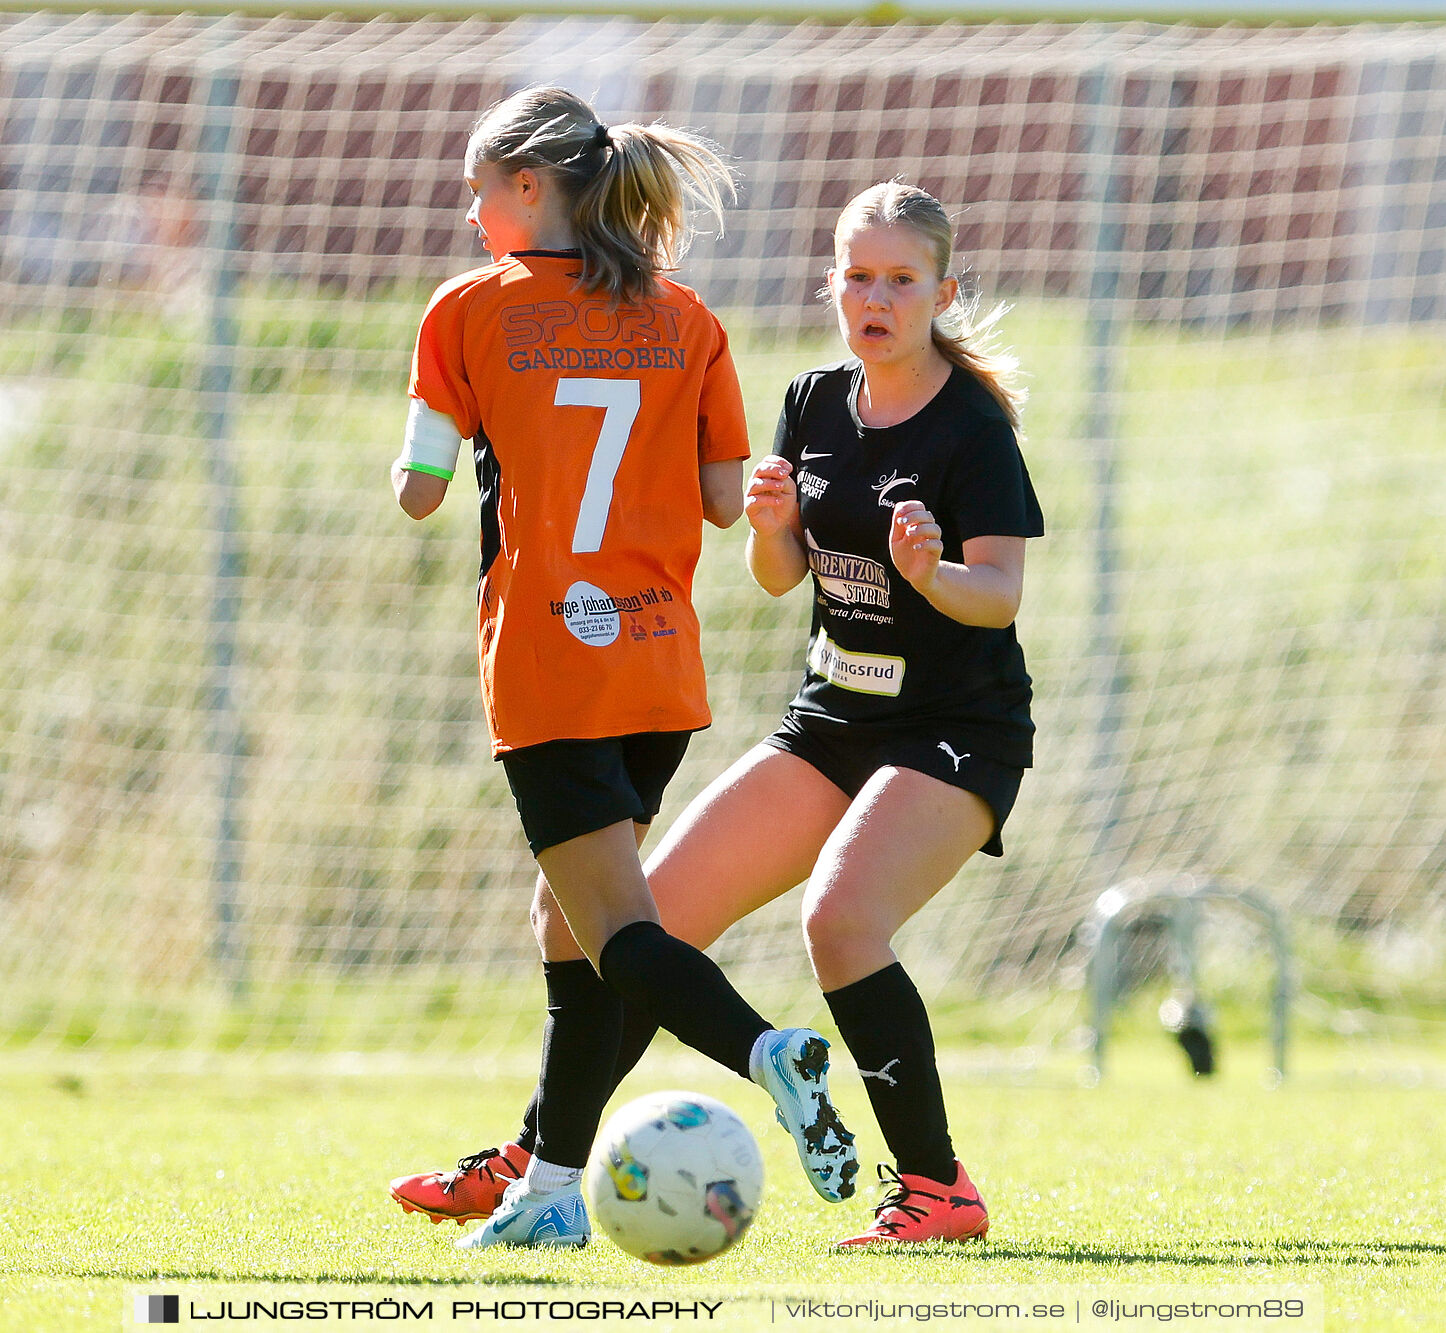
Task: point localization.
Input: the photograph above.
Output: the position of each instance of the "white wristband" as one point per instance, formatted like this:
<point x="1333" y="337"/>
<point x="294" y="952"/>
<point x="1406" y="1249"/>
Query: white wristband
<point x="431" y="443"/>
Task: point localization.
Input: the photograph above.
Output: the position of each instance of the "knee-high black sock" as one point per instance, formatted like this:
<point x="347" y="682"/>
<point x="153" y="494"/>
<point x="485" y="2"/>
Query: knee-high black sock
<point x="683" y="990"/>
<point x="638" y="1033"/>
<point x="579" y="1050"/>
<point x="885" y="1026"/>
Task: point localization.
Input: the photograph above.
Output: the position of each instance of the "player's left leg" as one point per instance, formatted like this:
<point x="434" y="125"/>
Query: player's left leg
<point x="563" y="789"/>
<point x="584" y="1020"/>
<point x="905" y="836"/>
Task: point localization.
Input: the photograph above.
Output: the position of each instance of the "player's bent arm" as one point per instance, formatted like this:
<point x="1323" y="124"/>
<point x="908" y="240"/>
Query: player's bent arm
<point x="986" y="589"/>
<point x="776" y="555"/>
<point x="722" y="486"/>
<point x="428" y="460"/>
<point x="777" y="561"/>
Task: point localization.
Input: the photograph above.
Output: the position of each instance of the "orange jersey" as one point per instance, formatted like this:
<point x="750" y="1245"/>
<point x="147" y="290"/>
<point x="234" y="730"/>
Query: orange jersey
<point x="589" y="422"/>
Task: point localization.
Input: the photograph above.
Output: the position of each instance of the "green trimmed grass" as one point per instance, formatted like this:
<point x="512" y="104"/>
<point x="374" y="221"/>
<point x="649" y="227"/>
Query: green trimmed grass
<point x="123" y="1173"/>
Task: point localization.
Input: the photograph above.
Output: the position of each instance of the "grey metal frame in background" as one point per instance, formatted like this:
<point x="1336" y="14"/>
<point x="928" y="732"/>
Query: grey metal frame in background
<point x="1179" y="900"/>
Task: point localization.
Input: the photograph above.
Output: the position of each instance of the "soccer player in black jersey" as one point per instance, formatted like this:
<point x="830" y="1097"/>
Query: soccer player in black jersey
<point x="895" y="482"/>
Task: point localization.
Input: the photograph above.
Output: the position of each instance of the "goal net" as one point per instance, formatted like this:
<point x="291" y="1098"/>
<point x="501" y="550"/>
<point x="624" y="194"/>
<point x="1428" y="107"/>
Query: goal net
<point x="245" y="796"/>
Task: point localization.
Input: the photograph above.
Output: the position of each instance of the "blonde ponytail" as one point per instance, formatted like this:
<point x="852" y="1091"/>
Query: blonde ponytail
<point x="967" y="338"/>
<point x="961" y="334"/>
<point x="631" y="188"/>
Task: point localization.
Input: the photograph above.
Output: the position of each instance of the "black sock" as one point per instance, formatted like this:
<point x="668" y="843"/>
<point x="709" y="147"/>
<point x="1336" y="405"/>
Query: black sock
<point x="579" y="1051"/>
<point x="885" y="1026"/>
<point x="638" y="1033"/>
<point x="683" y="990"/>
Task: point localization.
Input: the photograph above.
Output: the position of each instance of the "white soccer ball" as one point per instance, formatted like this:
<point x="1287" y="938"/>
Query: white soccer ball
<point x="674" y="1178"/>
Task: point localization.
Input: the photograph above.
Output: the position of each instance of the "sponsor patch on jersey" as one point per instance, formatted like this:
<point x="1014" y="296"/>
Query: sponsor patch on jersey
<point x="599" y="358"/>
<point x="865" y="673"/>
<point x="595" y="617"/>
<point x="888" y="486"/>
<point x="853" y="579"/>
<point x="812" y="485"/>
<point x="590" y="614"/>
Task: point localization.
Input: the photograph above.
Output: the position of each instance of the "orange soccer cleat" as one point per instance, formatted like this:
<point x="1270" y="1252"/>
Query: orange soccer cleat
<point x="472" y="1191"/>
<point x="917" y="1208"/>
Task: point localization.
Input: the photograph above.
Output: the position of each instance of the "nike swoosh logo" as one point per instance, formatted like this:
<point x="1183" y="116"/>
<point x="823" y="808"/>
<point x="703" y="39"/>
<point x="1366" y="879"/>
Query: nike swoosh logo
<point x="805" y="456"/>
<point x="501" y="1224"/>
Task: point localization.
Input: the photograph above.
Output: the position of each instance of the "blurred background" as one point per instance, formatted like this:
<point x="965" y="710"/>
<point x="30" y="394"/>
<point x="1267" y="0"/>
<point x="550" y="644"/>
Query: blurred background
<point x="245" y="792"/>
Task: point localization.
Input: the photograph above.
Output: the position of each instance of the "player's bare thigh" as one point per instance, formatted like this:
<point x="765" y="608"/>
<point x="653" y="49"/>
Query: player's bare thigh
<point x="904" y="837"/>
<point x="753" y="834"/>
<point x="750" y="836"/>
<point x="549" y="925"/>
<point x="598" y="883"/>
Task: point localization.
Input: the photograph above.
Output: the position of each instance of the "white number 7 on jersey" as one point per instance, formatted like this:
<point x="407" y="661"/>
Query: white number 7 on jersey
<point x="620" y="400"/>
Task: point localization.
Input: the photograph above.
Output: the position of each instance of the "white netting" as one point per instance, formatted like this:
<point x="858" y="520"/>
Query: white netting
<point x="243" y="753"/>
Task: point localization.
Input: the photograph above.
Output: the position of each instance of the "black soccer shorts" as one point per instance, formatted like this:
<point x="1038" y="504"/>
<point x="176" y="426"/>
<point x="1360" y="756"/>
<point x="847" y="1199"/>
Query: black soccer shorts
<point x="849" y="754"/>
<point x="565" y="789"/>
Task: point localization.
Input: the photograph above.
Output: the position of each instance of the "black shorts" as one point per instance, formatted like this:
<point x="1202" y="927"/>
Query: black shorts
<point x="564" y="789"/>
<point x="849" y="754"/>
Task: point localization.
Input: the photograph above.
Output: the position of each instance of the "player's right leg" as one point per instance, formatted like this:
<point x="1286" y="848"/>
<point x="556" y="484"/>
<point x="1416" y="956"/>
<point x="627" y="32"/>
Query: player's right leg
<point x="729" y="853"/>
<point x="580" y="1014"/>
<point x="565" y="791"/>
<point x="749" y="837"/>
<point x="700" y="884"/>
<point x="905" y="836"/>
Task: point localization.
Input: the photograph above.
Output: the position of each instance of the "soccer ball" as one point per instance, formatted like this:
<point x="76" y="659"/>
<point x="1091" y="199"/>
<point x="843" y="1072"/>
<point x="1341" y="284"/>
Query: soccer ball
<point x="674" y="1178"/>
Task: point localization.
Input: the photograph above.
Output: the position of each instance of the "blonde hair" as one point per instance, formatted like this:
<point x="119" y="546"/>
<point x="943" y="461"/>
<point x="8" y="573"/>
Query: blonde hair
<point x="629" y="187"/>
<point x="961" y="333"/>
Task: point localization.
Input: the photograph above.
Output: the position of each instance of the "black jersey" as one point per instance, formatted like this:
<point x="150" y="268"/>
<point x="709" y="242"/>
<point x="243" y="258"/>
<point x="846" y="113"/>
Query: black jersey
<point x="880" y="654"/>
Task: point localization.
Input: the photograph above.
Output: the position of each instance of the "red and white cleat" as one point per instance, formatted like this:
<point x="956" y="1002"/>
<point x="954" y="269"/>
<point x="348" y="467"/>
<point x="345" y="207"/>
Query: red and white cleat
<point x="473" y="1190"/>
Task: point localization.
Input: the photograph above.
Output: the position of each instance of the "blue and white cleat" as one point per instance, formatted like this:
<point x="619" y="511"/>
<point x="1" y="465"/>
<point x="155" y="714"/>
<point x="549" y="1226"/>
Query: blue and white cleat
<point x="790" y="1066"/>
<point x="556" y="1220"/>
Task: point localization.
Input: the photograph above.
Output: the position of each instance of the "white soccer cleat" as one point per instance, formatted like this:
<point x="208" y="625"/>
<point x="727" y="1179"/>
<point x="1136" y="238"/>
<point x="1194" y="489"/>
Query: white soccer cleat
<point x="791" y="1066"/>
<point x="556" y="1220"/>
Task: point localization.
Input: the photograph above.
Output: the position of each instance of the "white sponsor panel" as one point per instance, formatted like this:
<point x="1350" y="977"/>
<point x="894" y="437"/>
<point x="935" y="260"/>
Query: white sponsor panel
<point x="591" y="615"/>
<point x="866" y="673"/>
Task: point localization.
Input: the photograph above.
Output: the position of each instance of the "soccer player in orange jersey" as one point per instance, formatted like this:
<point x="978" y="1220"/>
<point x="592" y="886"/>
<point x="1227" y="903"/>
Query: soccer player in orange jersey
<point x="606" y="424"/>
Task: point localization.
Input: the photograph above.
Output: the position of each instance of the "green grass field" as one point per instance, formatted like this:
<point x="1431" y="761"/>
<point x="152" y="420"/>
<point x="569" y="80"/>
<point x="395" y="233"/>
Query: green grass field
<point x="121" y="1175"/>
